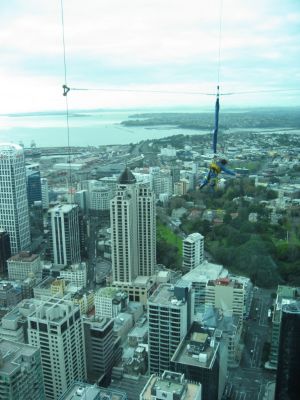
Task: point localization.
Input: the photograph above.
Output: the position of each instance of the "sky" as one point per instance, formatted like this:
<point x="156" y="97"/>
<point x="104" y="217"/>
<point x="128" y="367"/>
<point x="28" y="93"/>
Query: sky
<point x="148" y="45"/>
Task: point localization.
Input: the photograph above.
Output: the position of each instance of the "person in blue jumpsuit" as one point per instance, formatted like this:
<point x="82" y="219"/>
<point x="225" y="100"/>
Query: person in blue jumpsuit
<point x="215" y="168"/>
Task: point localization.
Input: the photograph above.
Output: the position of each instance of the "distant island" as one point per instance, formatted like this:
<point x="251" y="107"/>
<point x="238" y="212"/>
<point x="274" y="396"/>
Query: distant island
<point x="259" y="118"/>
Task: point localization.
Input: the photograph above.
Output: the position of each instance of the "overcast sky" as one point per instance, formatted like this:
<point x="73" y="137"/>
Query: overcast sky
<point x="164" y="45"/>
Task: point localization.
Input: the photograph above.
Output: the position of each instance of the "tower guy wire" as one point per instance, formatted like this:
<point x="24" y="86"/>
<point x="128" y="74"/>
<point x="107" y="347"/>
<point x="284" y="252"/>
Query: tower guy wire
<point x="66" y="89"/>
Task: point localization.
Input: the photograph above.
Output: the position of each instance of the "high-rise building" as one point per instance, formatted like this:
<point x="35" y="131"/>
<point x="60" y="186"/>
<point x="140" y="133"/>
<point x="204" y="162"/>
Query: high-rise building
<point x="199" y="276"/>
<point x="171" y="386"/>
<point x="161" y="181"/>
<point x="45" y="193"/>
<point x="169" y="316"/>
<point x="132" y="214"/>
<point x="64" y="234"/>
<point x="146" y="231"/>
<point x="287" y="379"/>
<point x="21" y="375"/>
<point x="23" y="265"/>
<point x="101" y="349"/>
<point x="193" y="251"/>
<point x="14" y="213"/>
<point x="56" y="328"/>
<point x="228" y="295"/>
<point x="34" y="187"/>
<point x="285" y="295"/>
<point x="5" y="252"/>
<point x="81" y="198"/>
<point x="198" y="357"/>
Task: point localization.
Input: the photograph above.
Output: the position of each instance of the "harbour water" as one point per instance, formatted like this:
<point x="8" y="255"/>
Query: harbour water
<point x="91" y="128"/>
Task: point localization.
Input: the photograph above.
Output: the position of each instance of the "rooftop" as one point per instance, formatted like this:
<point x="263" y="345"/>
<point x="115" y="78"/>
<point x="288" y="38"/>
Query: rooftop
<point x="199" y="349"/>
<point x="164" y="294"/>
<point x="10" y="356"/>
<point x="127" y="177"/>
<point x="24" y="256"/>
<point x="84" y="391"/>
<point x="169" y="384"/>
<point x="63" y="208"/>
<point x="206" y="271"/>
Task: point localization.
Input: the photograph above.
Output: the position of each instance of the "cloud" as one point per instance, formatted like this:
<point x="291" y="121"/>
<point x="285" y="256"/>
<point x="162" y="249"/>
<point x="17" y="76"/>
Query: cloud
<point x="149" y="43"/>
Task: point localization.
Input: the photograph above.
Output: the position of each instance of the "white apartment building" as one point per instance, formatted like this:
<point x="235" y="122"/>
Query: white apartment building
<point x="64" y="234"/>
<point x="23" y="265"/>
<point x="14" y="212"/>
<point x="109" y="302"/>
<point x="56" y="328"/>
<point x="193" y="251"/>
<point x="76" y="274"/>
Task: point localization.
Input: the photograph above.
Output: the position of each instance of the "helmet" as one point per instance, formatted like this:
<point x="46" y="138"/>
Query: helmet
<point x="223" y="161"/>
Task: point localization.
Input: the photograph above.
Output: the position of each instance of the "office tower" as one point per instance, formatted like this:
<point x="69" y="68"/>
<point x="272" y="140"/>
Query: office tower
<point x="169" y="316"/>
<point x="287" y="379"/>
<point x="171" y="386"/>
<point x="198" y="357"/>
<point x="5" y="252"/>
<point x="132" y="214"/>
<point x="14" y="213"/>
<point x="101" y="349"/>
<point x="146" y="231"/>
<point x="34" y="186"/>
<point x="56" y="328"/>
<point x="193" y="251"/>
<point x="64" y="234"/>
<point x="45" y="193"/>
<point x="21" y="376"/>
<point x="285" y="295"/>
<point x="23" y="265"/>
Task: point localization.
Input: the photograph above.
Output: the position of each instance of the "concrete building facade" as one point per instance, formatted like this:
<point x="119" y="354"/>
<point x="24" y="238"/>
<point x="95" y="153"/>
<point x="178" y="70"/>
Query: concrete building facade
<point x="24" y="265"/>
<point x="169" y="312"/>
<point x="21" y="375"/>
<point x="56" y="328"/>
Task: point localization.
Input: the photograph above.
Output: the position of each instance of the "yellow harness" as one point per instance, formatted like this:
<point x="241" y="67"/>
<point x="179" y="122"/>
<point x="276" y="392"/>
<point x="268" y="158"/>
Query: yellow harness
<point x="215" y="167"/>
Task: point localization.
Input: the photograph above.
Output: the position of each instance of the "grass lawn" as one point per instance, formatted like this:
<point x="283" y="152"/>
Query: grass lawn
<point x="163" y="232"/>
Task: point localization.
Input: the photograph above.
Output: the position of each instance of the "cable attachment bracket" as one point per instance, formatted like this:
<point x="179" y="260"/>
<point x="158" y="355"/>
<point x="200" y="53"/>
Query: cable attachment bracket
<point x="66" y="90"/>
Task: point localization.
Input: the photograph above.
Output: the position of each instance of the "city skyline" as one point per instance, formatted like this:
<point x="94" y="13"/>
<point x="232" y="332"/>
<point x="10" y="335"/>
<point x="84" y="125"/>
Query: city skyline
<point x="148" y="46"/>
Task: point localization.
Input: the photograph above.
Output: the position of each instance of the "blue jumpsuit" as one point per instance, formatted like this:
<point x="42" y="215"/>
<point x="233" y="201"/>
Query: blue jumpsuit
<point x="215" y="168"/>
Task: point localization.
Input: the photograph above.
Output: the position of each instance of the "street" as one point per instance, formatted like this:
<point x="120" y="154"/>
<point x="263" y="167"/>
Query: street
<point x="250" y="380"/>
